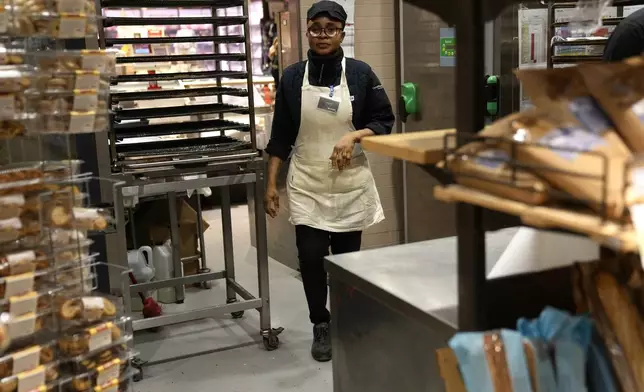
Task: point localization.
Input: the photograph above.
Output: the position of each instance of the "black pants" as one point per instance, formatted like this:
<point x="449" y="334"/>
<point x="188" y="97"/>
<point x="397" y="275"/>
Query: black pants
<point x="312" y="246"/>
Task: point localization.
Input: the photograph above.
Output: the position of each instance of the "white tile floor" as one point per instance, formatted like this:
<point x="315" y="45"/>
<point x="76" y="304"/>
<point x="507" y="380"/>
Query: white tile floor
<point x="227" y="355"/>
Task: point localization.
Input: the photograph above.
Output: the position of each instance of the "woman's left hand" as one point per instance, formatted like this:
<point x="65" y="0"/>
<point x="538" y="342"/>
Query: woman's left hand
<point x="343" y="152"/>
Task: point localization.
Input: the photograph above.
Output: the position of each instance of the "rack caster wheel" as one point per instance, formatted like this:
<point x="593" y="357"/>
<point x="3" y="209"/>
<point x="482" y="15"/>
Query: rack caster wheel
<point x="138" y="365"/>
<point x="237" y="315"/>
<point x="270" y="339"/>
<point x="180" y="302"/>
<point x="205" y="285"/>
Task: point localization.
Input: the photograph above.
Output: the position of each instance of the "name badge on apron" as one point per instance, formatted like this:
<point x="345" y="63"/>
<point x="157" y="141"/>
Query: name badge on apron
<point x="329" y="104"/>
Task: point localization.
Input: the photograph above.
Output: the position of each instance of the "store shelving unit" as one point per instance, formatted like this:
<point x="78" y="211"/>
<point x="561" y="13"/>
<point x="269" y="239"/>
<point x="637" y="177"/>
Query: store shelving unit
<point x="487" y="304"/>
<point x="158" y="148"/>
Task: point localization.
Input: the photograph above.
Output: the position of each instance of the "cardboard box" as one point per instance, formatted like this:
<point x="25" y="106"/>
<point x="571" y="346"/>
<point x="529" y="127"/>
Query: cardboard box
<point x="152" y="227"/>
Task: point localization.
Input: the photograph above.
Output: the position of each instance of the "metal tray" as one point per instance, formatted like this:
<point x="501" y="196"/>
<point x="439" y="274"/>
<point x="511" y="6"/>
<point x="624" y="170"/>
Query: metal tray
<point x="178" y="93"/>
<point x="143" y="130"/>
<point x="180" y="76"/>
<point x="185" y="57"/>
<point x="176" y="111"/>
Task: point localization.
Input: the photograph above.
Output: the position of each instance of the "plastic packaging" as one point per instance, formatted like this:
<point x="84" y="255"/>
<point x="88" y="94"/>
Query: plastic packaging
<point x="89" y="219"/>
<point x="21" y="262"/>
<point x="17" y="126"/>
<point x="21" y="171"/>
<point x="587" y="15"/>
<point x="16" y="330"/>
<point x="64" y="102"/>
<point x="13" y="229"/>
<point x="18" y="285"/>
<point x="15" y="79"/>
<point x="71" y="61"/>
<point x="87" y="309"/>
<point x="11" y="206"/>
<point x="52" y="25"/>
<point x="104" y="374"/>
<point x="27" y="359"/>
<point x="43" y="376"/>
<point x="92" y="346"/>
<point x="72" y="122"/>
<point x="71" y="80"/>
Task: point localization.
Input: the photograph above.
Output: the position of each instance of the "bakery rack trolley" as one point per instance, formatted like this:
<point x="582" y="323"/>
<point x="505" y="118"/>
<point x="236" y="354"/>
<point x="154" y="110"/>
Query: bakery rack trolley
<point x="172" y="166"/>
<point x="485" y="304"/>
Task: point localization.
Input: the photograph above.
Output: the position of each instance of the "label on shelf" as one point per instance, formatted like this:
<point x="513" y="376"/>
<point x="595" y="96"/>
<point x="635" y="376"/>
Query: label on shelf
<point x="7" y="105"/>
<point x="94" y="61"/>
<point x="21" y="326"/>
<point x="23" y="304"/>
<point x="81" y="122"/>
<point x="108" y="372"/>
<point x="85" y="101"/>
<point x="100" y="336"/>
<point x="26" y="360"/>
<point x="112" y="386"/>
<point x="31" y="380"/>
<point x="21" y="257"/>
<point x="87" y="80"/>
<point x="18" y="284"/>
<point x="72" y="27"/>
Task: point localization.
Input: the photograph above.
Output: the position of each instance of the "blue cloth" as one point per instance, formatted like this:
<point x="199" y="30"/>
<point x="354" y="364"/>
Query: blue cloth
<point x="468" y="349"/>
<point x="576" y="350"/>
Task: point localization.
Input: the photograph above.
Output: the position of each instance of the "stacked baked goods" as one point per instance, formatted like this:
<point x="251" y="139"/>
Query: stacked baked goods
<point x="569" y="162"/>
<point x="56" y="332"/>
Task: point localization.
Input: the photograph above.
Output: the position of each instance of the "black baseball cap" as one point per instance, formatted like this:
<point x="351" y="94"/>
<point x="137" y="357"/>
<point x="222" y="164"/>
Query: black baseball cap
<point x="330" y="8"/>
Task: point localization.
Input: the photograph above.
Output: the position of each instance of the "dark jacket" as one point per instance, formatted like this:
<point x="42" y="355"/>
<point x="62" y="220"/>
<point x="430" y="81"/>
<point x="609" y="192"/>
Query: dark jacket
<point x="371" y="106"/>
<point x="627" y="40"/>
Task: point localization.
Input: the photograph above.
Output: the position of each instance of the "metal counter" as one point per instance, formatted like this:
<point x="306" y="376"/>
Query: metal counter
<point x="392" y="308"/>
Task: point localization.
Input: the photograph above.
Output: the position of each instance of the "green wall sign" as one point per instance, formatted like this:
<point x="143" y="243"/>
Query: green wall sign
<point x="448" y="47"/>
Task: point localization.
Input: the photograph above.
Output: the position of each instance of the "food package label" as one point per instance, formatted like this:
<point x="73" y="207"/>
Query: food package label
<point x="112" y="386"/>
<point x="22" y="326"/>
<point x="85" y="101"/>
<point x="31" y="380"/>
<point x="94" y="62"/>
<point x="100" y="336"/>
<point x="23" y="304"/>
<point x="71" y="6"/>
<point x="12" y="200"/>
<point x="81" y="122"/>
<point x="86" y="213"/>
<point x="27" y="256"/>
<point x="491" y="159"/>
<point x="11" y="224"/>
<point x="87" y="80"/>
<point x="92" y="303"/>
<point x="72" y="27"/>
<point x="568" y="143"/>
<point x="7" y="105"/>
<point x="590" y="115"/>
<point x="4" y="19"/>
<point x="26" y="360"/>
<point x="19" y="284"/>
<point x="108" y="372"/>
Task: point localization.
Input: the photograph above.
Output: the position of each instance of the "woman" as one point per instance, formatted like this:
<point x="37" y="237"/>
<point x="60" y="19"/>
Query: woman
<point x="324" y="107"/>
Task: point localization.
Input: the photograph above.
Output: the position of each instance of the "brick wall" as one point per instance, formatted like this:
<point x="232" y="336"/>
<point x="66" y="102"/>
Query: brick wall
<point x="375" y="44"/>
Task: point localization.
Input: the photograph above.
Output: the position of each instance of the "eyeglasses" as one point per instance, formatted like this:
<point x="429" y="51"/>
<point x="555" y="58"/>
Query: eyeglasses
<point x="330" y="32"/>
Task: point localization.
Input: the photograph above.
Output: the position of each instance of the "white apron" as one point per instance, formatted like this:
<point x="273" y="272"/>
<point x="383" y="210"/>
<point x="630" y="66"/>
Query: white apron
<point x="320" y="196"/>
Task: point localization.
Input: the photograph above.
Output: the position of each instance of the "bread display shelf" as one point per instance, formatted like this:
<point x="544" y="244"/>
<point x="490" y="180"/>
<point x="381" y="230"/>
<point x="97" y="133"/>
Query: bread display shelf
<point x="608" y="233"/>
<point x="423" y="147"/>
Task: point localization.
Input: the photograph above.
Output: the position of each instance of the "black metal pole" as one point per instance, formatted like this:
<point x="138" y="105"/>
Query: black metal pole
<point x="470" y="105"/>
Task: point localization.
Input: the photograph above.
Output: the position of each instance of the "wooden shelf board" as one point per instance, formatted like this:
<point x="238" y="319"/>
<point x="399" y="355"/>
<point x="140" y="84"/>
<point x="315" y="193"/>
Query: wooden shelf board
<point x="612" y="234"/>
<point x="423" y="147"/>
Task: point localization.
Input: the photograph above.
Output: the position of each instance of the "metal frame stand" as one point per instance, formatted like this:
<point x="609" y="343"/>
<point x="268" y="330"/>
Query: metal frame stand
<point x="253" y="176"/>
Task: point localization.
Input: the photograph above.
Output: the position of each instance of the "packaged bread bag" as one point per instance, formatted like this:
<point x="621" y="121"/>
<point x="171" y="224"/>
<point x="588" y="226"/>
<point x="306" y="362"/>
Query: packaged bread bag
<point x="619" y="89"/>
<point x="491" y="169"/>
<point x="568" y="156"/>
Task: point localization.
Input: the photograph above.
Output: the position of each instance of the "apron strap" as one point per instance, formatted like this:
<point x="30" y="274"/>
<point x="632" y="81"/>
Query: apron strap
<point x="305" y="82"/>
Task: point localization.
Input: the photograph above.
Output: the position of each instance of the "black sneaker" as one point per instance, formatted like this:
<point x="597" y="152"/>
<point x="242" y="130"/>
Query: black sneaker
<point x="321" y="348"/>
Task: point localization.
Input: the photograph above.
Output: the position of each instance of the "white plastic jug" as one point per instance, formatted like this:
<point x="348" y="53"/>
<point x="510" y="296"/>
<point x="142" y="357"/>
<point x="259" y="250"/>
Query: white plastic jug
<point x="162" y="256"/>
<point x="140" y="267"/>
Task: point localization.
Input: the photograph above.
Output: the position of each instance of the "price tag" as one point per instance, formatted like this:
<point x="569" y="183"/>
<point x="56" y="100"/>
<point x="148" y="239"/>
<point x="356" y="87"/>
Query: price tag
<point x="94" y="61"/>
<point x="87" y="80"/>
<point x="21" y="257"/>
<point x="18" y="284"/>
<point x="22" y="326"/>
<point x="26" y="360"/>
<point x="11" y="224"/>
<point x="100" y="336"/>
<point x="108" y="372"/>
<point x="81" y="122"/>
<point x="71" y="6"/>
<point x="72" y="26"/>
<point x="87" y="214"/>
<point x="112" y="386"/>
<point x="7" y="105"/>
<point x="23" y="304"/>
<point x="13" y="200"/>
<point x="31" y="380"/>
<point x="85" y="101"/>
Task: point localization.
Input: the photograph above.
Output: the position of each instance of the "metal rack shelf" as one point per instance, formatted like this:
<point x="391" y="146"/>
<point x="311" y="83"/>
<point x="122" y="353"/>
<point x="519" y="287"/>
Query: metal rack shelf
<point x="214" y="20"/>
<point x="225" y="39"/>
<point x="181" y="147"/>
<point x="184" y="57"/>
<point x="171" y="3"/>
<point x="179" y="76"/>
<point x="130" y="130"/>
<point x="178" y="93"/>
<point x="177" y="111"/>
<point x="575" y="59"/>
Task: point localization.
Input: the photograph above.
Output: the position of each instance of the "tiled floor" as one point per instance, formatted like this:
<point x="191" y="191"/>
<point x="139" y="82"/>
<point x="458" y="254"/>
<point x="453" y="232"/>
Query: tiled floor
<point x="226" y="355"/>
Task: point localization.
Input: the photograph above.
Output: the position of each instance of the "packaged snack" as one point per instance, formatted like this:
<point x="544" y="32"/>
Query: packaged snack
<point x="32" y="380"/>
<point x="72" y="122"/>
<point x="18" y="285"/>
<point x="11" y="206"/>
<point x="619" y="88"/>
<point x="65" y="102"/>
<point x="20" y="171"/>
<point x="88" y="219"/>
<point x="24" y="327"/>
<point x="71" y="80"/>
<point x="102" y="375"/>
<point x="27" y="359"/>
<point x="11" y="56"/>
<point x="17" y="126"/>
<point x="93" y="346"/>
<point x="490" y="169"/>
<point x="64" y="169"/>
<point x="71" y="61"/>
<point x="51" y="25"/>
<point x="568" y="157"/>
<point x="87" y="309"/>
<point x="21" y="262"/>
<point x="15" y="79"/>
<point x="55" y="6"/>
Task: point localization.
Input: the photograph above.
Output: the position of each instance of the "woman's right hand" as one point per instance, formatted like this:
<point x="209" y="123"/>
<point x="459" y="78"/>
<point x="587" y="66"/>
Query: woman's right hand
<point x="271" y="201"/>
